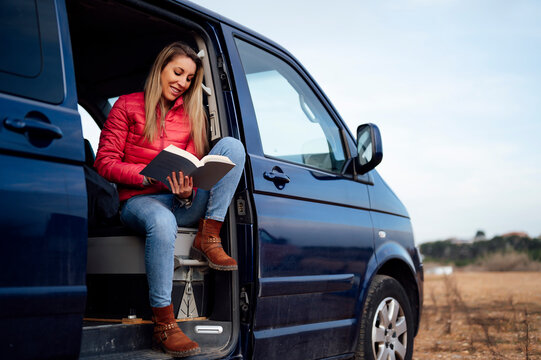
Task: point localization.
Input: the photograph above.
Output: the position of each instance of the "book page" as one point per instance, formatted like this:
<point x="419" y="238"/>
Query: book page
<point x="185" y="154"/>
<point x="216" y="158"/>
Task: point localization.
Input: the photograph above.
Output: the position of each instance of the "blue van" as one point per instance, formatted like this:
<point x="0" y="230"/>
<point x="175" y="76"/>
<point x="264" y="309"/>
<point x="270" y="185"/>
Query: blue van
<point x="327" y="263"/>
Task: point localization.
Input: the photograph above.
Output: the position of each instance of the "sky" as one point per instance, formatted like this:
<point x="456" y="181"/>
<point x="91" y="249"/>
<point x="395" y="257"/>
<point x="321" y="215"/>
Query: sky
<point x="453" y="85"/>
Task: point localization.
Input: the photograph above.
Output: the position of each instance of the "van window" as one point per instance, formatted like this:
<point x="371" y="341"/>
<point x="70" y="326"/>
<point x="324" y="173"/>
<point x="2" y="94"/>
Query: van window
<point x="91" y="130"/>
<point x="113" y="100"/>
<point x="21" y="54"/>
<point x="30" y="65"/>
<point x="293" y="124"/>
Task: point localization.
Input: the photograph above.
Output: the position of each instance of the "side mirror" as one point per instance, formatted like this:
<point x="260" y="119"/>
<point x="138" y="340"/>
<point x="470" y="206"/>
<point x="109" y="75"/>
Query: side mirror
<point x="369" y="149"/>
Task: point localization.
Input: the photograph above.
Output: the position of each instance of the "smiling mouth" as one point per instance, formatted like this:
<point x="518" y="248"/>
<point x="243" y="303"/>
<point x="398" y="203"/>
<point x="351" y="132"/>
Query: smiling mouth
<point x="175" y="91"/>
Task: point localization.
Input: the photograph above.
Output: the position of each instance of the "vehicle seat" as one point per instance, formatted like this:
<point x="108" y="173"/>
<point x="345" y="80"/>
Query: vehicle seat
<point x="114" y="257"/>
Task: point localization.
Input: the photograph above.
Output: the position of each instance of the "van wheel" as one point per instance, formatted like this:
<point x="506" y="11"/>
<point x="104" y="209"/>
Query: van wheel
<point x="386" y="323"/>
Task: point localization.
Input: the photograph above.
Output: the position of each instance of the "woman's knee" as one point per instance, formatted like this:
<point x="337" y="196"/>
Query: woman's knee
<point x="232" y="148"/>
<point x="162" y="226"/>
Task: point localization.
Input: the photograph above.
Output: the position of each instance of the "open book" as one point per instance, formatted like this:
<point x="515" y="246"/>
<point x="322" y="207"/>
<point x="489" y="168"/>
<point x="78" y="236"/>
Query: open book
<point x="205" y="172"/>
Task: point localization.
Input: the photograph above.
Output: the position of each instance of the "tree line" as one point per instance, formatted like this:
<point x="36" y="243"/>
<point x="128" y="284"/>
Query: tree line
<point x="461" y="254"/>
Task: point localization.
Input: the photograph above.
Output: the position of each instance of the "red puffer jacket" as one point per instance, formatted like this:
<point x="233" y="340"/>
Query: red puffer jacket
<point x="123" y="151"/>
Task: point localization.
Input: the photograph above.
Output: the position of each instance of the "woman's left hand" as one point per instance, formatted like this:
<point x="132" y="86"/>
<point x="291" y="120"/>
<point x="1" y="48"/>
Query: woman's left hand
<point x="181" y="186"/>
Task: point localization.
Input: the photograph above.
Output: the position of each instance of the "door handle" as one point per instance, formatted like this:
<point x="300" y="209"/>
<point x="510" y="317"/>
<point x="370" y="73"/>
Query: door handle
<point x="33" y="126"/>
<point x="277" y="176"/>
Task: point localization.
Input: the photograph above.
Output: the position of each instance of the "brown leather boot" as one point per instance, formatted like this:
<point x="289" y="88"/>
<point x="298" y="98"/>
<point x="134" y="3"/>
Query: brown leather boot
<point x="208" y="245"/>
<point x="168" y="335"/>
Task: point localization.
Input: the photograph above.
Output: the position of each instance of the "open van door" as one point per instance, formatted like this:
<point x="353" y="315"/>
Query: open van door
<point x="314" y="232"/>
<point x="43" y="205"/>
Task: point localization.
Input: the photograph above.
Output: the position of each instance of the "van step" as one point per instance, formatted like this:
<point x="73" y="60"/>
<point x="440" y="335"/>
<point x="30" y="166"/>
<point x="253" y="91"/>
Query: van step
<point x="131" y="355"/>
<point x="133" y="341"/>
<point x="115" y="338"/>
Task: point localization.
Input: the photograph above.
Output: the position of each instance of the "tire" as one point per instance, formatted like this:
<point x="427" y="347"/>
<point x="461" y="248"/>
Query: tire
<point x="386" y="329"/>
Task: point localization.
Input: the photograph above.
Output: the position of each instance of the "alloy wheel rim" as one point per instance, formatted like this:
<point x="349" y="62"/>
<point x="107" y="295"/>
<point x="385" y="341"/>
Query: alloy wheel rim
<point x="389" y="331"/>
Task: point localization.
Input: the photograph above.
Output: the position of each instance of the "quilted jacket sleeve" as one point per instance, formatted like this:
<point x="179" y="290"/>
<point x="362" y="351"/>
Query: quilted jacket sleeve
<point x="109" y="160"/>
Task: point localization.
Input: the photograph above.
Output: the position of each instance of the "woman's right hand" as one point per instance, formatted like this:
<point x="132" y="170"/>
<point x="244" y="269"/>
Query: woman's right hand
<point x="183" y="186"/>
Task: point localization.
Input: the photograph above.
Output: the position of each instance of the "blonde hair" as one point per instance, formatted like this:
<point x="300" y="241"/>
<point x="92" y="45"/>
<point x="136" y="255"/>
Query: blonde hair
<point x="193" y="97"/>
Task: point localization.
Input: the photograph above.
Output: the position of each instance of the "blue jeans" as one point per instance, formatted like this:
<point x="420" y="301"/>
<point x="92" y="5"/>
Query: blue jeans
<point x="158" y="216"/>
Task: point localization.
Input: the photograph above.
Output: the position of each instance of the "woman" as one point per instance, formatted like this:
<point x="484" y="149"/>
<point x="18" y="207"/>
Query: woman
<point x="139" y="126"/>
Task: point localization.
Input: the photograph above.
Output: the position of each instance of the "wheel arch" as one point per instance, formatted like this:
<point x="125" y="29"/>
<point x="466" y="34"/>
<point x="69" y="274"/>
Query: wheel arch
<point x="394" y="261"/>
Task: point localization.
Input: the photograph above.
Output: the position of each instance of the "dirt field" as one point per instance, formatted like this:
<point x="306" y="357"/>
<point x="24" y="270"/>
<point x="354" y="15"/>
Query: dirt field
<point x="481" y="315"/>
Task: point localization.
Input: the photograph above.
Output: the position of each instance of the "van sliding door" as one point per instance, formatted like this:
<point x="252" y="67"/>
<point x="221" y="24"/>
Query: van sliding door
<point x="42" y="187"/>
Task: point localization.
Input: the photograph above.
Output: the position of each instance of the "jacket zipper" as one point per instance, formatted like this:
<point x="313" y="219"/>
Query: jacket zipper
<point x="162" y="134"/>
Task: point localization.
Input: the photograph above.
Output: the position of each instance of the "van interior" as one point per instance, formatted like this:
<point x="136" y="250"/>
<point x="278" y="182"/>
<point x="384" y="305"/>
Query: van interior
<point x="114" y="45"/>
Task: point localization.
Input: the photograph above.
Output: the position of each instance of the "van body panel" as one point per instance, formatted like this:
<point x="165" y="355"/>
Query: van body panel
<point x="305" y="284"/>
<point x="393" y="235"/>
<point x="325" y="339"/>
<point x="30" y="127"/>
<point x="310" y="184"/>
<point x="43" y="221"/>
<point x="383" y="199"/>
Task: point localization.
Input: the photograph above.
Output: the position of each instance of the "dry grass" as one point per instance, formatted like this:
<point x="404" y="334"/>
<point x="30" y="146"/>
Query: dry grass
<point x="481" y="315"/>
<point x="510" y="261"/>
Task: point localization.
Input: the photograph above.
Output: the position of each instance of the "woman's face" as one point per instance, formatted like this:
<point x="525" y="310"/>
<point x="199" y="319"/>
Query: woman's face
<point x="177" y="77"/>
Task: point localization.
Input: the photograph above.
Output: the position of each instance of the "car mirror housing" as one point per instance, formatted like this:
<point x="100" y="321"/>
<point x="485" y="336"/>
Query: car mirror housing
<point x="369" y="148"/>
